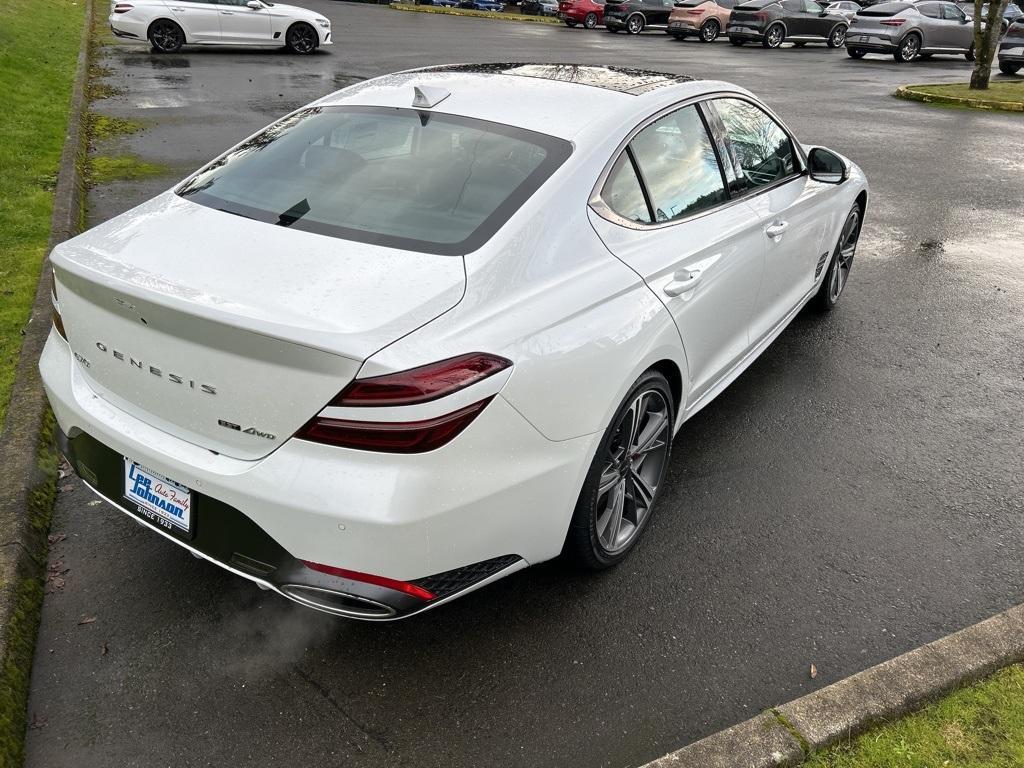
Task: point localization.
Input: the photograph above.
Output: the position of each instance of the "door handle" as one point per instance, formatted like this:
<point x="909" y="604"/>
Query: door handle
<point x="179" y="10"/>
<point x="682" y="281"/>
<point x="227" y="13"/>
<point x="776" y="229"/>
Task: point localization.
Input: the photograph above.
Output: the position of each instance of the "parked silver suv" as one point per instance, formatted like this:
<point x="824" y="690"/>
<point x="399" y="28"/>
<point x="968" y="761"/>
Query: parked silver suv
<point x="910" y="31"/>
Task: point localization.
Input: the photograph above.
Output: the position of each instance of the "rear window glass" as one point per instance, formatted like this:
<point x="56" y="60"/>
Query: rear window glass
<point x="690" y="3"/>
<point x="755" y="4"/>
<point x="884" y="9"/>
<point x="421" y="181"/>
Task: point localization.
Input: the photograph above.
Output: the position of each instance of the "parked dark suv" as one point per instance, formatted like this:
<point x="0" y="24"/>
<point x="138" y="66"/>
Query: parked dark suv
<point x="1011" y="48"/>
<point x="635" y="16"/>
<point x="771" y="22"/>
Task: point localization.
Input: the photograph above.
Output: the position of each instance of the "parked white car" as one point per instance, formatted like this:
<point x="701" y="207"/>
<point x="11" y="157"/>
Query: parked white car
<point x="439" y="325"/>
<point x="169" y="24"/>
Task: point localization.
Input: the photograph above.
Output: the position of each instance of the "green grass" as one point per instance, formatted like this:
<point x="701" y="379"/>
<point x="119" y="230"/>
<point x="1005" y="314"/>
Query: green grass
<point x="103" y="169"/>
<point x="981" y="726"/>
<point x="16" y="666"/>
<point x="500" y="15"/>
<point x="1000" y="94"/>
<point x="39" y="43"/>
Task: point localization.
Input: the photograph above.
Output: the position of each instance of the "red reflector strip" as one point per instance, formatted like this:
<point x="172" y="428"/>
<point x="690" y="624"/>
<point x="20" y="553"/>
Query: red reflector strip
<point x="423" y="384"/>
<point x="892" y="22"/>
<point x="391" y="436"/>
<point x="369" y="578"/>
<point x="122" y="8"/>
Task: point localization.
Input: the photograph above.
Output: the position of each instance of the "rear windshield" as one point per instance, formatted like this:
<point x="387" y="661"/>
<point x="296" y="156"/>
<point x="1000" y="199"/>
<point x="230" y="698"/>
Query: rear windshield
<point x="402" y="178"/>
<point x="690" y="3"/>
<point x="754" y="4"/>
<point x="884" y="9"/>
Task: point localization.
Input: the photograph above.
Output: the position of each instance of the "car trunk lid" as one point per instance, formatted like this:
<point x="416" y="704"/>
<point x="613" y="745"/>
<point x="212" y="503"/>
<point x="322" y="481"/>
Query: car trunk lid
<point x="234" y="340"/>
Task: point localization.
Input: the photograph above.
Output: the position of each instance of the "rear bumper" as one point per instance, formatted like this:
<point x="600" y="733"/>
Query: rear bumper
<point x="614" y="22"/>
<point x="744" y="33"/>
<point x="871" y="42"/>
<point x="122" y="25"/>
<point x="1013" y="54"/>
<point x="681" y="27"/>
<point x="494" y="500"/>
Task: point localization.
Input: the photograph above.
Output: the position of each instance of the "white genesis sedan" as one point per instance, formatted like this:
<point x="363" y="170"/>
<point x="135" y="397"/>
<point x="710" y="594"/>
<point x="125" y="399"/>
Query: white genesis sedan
<point x="169" y="24"/>
<point x="440" y="325"/>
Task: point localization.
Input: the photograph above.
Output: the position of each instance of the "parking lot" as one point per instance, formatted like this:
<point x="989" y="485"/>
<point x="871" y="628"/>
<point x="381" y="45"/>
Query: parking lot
<point x="856" y="493"/>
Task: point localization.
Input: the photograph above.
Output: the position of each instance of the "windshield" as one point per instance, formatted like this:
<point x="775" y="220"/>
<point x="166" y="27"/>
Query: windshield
<point x="421" y="181"/>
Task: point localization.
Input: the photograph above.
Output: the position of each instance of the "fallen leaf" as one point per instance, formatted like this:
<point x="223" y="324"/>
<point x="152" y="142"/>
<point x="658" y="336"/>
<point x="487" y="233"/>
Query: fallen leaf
<point x="56" y="538"/>
<point x="66" y="488"/>
<point x="86" y="620"/>
<point x="37" y="722"/>
<point x="93" y="503"/>
<point x="103" y="650"/>
<point x="814" y="671"/>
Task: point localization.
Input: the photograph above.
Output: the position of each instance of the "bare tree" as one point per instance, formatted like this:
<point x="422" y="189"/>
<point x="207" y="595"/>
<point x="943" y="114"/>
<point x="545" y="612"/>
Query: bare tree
<point x="986" y="40"/>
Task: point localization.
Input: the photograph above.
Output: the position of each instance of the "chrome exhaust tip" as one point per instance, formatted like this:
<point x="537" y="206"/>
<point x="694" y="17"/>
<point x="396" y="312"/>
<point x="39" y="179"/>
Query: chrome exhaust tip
<point x="338" y="603"/>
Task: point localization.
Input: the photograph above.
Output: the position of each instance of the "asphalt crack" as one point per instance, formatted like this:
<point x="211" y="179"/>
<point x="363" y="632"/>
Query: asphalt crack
<point x="329" y="698"/>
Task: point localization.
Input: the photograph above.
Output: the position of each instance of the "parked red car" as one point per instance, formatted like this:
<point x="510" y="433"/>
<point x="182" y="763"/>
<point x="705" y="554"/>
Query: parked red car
<point x="586" y="12"/>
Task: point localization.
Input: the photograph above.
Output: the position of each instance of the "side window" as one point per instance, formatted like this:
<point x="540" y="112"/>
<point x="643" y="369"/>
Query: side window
<point x="952" y="13"/>
<point x="623" y="194"/>
<point x="793" y="6"/>
<point x="812" y="7"/>
<point x="931" y="10"/>
<point x="679" y="165"/>
<point x="761" y="150"/>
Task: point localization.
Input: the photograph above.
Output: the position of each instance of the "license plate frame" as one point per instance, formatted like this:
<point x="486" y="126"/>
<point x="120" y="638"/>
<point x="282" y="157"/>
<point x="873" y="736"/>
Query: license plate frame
<point x="159" y="500"/>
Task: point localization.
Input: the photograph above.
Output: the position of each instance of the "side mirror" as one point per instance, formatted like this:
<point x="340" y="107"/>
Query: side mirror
<point x="256" y="5"/>
<point x="826" y="166"/>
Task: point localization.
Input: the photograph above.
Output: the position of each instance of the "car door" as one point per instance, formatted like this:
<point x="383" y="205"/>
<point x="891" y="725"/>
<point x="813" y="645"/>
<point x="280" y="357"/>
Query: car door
<point x="818" y="25"/>
<point x="794" y="18"/>
<point x="956" y="31"/>
<point x="932" y="27"/>
<point x="200" y="19"/>
<point x="790" y="206"/>
<point x="657" y="12"/>
<point x="665" y="210"/>
<point x="241" y="24"/>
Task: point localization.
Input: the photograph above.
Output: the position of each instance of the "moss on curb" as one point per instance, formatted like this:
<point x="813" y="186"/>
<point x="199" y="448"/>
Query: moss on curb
<point x="16" y="666"/>
<point x="948" y="95"/>
<point x="103" y="169"/>
<point x="500" y="15"/>
<point x="102" y="127"/>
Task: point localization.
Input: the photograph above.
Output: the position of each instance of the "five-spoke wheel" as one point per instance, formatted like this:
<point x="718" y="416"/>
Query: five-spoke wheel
<point x="165" y="36"/>
<point x="842" y="262"/>
<point x="301" y="38"/>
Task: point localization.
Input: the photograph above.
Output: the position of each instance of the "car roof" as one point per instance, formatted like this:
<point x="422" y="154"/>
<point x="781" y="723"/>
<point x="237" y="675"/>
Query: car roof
<point x="562" y="100"/>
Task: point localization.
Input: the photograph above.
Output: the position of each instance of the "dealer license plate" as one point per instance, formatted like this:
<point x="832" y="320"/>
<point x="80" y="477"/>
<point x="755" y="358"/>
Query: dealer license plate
<point x="158" y="499"/>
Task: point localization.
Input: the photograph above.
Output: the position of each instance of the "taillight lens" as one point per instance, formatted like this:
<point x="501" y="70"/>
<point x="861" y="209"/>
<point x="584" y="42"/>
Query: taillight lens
<point x="761" y="16"/>
<point x="368" y="578"/>
<point x="892" y="22"/>
<point x="391" y="436"/>
<point x="423" y="384"/>
<point x="695" y="12"/>
<point x="58" y="321"/>
<point x="123" y="8"/>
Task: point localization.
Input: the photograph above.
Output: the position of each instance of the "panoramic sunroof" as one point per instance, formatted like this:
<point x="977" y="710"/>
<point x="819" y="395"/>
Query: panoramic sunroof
<point x="621" y="79"/>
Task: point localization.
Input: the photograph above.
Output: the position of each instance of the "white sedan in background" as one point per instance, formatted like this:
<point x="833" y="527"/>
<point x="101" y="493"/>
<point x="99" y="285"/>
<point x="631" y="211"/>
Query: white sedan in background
<point x="170" y="24"/>
<point x="440" y="325"/>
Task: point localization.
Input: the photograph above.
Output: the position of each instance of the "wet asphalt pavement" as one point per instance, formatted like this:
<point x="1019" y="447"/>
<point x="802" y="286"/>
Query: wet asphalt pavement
<point x="856" y="493"/>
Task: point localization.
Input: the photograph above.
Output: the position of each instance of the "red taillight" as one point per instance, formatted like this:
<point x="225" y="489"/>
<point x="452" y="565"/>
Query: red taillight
<point x="369" y="578"/>
<point x="423" y="384"/>
<point x="892" y="22"/>
<point x="695" y="12"/>
<point x="391" y="436"/>
<point x="761" y="16"/>
<point x="123" y="7"/>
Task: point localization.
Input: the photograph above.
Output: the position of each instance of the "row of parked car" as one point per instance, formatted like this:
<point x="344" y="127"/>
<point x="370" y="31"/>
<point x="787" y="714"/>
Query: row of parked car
<point x="908" y="30"/>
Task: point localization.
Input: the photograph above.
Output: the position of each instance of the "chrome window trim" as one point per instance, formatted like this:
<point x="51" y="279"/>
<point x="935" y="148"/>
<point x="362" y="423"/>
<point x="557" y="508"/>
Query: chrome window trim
<point x="605" y="211"/>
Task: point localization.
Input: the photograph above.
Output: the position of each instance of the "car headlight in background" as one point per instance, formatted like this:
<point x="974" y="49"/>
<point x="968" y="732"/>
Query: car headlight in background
<point x="324" y="23"/>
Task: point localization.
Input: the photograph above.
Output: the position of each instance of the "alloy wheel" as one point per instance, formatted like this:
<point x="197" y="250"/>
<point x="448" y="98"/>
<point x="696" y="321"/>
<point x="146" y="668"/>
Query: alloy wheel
<point x="709" y="32"/>
<point x="165" y="36"/>
<point x="838" y="37"/>
<point x="844" y="258"/>
<point x="301" y="38"/>
<point x="635" y="25"/>
<point x="633" y="470"/>
<point x="910" y="48"/>
<point x="590" y="20"/>
<point x="774" y="37"/>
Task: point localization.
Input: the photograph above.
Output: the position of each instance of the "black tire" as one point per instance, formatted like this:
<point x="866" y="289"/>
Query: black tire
<point x="165" y="36"/>
<point x="590" y="20"/>
<point x="828" y="296"/>
<point x="1010" y="67"/>
<point x="799" y="45"/>
<point x="301" y="38"/>
<point x="774" y="36"/>
<point x="709" y="31"/>
<point x="736" y="41"/>
<point x="909" y="48"/>
<point x="635" y="24"/>
<point x="856" y="53"/>
<point x="614" y="462"/>
<point x="837" y="38"/>
<point x="970" y="53"/>
<point x="570" y="22"/>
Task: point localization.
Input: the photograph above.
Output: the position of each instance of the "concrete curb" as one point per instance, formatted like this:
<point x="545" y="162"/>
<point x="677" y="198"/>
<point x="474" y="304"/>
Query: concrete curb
<point x="500" y="16"/>
<point x="911" y="93"/>
<point x="787" y="735"/>
<point x="22" y="540"/>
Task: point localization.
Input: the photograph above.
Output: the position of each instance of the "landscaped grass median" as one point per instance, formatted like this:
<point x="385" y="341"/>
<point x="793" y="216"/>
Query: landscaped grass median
<point x="500" y="15"/>
<point x="1006" y="95"/>
<point x="981" y="726"/>
<point x="39" y="44"/>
